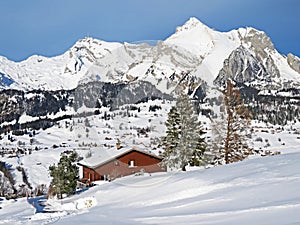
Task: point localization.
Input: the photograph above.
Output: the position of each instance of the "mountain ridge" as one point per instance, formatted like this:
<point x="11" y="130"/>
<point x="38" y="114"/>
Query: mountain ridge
<point x="194" y="48"/>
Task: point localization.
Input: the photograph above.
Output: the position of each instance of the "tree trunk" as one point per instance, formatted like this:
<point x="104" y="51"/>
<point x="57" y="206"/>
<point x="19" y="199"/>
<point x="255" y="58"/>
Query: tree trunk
<point x="227" y="150"/>
<point x="228" y="95"/>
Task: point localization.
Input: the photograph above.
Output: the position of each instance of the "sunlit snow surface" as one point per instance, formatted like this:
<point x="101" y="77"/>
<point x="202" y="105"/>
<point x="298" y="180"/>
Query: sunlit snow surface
<point x="256" y="191"/>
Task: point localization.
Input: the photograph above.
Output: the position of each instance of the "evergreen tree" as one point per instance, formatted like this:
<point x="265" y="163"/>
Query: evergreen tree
<point x="183" y="143"/>
<point x="64" y="175"/>
<point x="170" y="141"/>
<point x="199" y="157"/>
<point x="230" y="134"/>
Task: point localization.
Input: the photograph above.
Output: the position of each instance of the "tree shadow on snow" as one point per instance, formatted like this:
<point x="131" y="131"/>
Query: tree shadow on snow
<point x="1" y="199"/>
<point x="38" y="203"/>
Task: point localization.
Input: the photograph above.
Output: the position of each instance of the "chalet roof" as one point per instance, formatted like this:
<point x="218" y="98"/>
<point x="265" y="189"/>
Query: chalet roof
<point x="101" y="156"/>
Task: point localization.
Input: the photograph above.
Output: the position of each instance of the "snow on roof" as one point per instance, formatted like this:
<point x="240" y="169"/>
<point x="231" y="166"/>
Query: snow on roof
<point x="100" y="156"/>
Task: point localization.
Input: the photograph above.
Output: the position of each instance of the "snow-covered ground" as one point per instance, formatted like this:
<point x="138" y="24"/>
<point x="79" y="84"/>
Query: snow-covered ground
<point x="259" y="190"/>
<point x="84" y="133"/>
<point x="80" y="134"/>
<point x="255" y="191"/>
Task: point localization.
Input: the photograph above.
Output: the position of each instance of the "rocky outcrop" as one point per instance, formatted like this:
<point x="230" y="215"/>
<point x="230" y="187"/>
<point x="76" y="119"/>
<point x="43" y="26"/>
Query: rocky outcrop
<point x="243" y="67"/>
<point x="294" y="62"/>
<point x="258" y="42"/>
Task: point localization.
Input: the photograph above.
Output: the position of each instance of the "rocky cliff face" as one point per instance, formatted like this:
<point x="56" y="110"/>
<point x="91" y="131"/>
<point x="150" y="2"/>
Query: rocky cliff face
<point x="294" y="62"/>
<point x="258" y="42"/>
<point x="244" y="67"/>
<point x="262" y="48"/>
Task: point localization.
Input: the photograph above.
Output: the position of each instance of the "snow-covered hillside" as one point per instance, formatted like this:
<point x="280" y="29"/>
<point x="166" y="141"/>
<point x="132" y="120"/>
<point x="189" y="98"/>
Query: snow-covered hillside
<point x="141" y="125"/>
<point x="134" y="125"/>
<point x="256" y="191"/>
<point x="246" y="191"/>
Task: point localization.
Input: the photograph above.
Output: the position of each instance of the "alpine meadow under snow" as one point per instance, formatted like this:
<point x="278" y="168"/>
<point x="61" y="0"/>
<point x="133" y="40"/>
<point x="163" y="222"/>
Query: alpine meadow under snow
<point x="199" y="99"/>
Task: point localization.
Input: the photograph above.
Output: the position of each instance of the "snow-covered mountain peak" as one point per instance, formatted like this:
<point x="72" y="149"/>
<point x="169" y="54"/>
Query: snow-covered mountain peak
<point x="93" y="47"/>
<point x="192" y="23"/>
<point x="193" y="36"/>
<point x="3" y="59"/>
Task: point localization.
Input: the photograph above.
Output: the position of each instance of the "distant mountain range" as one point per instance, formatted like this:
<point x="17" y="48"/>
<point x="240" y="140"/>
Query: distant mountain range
<point x="195" y="59"/>
<point x="194" y="52"/>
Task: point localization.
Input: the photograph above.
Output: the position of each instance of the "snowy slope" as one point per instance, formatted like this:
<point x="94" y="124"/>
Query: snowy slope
<point x="256" y="191"/>
<point x="124" y="124"/>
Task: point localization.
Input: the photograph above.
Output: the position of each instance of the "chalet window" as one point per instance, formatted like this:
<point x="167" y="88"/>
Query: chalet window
<point x="131" y="163"/>
<point x="117" y="163"/>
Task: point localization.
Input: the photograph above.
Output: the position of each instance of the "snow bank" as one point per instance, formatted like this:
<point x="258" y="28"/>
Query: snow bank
<point x="54" y="205"/>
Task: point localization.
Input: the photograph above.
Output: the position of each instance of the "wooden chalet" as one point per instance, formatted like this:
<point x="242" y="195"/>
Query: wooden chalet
<point x="109" y="164"/>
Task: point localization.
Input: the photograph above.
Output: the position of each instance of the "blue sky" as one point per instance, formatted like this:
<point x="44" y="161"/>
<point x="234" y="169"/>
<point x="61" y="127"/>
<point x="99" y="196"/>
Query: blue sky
<point x="50" y="27"/>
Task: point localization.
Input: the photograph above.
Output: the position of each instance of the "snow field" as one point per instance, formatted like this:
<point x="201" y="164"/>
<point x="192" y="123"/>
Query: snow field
<point x="255" y="191"/>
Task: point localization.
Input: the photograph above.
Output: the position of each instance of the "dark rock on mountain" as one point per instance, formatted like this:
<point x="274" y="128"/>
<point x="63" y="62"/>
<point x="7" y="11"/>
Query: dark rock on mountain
<point x="294" y="62"/>
<point x="243" y="67"/>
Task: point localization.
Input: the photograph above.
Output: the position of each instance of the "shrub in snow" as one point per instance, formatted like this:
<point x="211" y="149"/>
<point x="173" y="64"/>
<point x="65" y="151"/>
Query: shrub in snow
<point x="88" y="154"/>
<point x="86" y="203"/>
<point x="41" y="189"/>
<point x="259" y="139"/>
<point x="6" y="172"/>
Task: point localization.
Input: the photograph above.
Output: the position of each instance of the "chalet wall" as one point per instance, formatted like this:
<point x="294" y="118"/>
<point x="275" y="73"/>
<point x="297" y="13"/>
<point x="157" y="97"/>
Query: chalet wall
<point x="90" y="174"/>
<point x="121" y="166"/>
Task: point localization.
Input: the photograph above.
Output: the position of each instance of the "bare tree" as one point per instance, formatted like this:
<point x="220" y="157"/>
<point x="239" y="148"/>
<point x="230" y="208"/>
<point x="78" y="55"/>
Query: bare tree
<point x="230" y="134"/>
